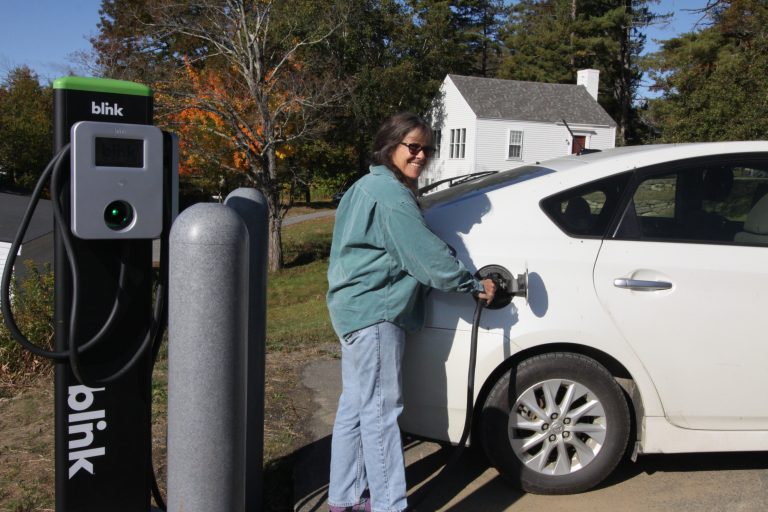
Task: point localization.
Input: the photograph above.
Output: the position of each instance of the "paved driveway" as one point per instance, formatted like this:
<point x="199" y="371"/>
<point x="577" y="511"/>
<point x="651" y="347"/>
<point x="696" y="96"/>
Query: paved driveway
<point x="696" y="482"/>
<point x="308" y="216"/>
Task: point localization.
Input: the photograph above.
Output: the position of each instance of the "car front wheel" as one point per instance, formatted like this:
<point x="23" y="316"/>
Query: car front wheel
<point x="555" y="424"/>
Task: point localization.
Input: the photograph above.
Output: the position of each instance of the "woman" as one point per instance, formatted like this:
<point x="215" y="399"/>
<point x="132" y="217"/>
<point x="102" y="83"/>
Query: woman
<point x="383" y="259"/>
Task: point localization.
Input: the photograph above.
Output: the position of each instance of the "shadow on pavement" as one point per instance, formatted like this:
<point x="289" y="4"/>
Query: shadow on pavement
<point x="310" y="476"/>
<point x="472" y="486"/>
<point x="464" y="486"/>
<point x="423" y="461"/>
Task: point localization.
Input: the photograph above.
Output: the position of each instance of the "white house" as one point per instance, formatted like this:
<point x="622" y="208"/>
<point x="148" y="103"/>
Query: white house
<point x="489" y="124"/>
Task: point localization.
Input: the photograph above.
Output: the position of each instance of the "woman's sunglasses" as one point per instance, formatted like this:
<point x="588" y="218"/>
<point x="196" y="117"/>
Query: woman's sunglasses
<point x="414" y="149"/>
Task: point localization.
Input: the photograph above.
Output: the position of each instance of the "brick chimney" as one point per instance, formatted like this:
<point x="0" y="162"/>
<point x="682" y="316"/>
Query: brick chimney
<point x="590" y="79"/>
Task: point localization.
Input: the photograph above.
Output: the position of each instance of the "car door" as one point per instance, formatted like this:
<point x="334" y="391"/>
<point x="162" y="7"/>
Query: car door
<point x="685" y="278"/>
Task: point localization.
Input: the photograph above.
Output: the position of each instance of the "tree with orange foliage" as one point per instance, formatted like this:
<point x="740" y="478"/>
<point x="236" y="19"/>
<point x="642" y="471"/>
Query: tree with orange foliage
<point x="248" y="90"/>
<point x="209" y="161"/>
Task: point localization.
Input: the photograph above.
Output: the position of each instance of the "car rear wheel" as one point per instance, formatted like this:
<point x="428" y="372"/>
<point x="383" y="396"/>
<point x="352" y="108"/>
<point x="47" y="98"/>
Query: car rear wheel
<point x="555" y="424"/>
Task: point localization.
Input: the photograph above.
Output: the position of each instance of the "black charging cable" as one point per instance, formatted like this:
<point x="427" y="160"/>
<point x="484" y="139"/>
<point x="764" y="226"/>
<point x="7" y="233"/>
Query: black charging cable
<point x="5" y="286"/>
<point x="153" y="337"/>
<point x="506" y="288"/>
<point x="458" y="451"/>
<point x="72" y="353"/>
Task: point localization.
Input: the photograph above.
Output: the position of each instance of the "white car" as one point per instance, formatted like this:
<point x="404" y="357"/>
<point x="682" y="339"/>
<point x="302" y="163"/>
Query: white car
<point x="646" y="324"/>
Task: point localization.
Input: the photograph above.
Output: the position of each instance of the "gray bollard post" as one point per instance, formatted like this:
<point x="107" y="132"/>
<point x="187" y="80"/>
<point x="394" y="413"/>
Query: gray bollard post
<point x="251" y="205"/>
<point x="207" y="326"/>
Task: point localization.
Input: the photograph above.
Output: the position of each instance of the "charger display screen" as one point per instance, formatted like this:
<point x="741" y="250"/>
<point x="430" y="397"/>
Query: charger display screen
<point x="113" y="152"/>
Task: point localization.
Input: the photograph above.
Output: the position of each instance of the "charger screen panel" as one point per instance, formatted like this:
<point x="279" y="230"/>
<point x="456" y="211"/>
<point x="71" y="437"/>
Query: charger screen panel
<point x="114" y="152"/>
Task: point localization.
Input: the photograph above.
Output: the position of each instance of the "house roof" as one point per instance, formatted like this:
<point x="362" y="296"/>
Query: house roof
<point x="12" y="208"/>
<point x="494" y="98"/>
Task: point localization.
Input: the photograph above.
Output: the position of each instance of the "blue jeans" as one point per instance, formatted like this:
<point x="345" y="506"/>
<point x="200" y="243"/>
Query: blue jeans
<point x="366" y="449"/>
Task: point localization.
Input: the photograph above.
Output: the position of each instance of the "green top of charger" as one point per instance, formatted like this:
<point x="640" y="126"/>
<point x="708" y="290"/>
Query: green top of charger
<point x="81" y="83"/>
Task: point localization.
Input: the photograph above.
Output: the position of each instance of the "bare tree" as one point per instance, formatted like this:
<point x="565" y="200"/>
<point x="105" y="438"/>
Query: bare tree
<point x="261" y="91"/>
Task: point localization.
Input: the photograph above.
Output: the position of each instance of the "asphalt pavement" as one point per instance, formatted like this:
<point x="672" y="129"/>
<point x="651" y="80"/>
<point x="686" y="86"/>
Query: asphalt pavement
<point x="711" y="482"/>
<point x="308" y="216"/>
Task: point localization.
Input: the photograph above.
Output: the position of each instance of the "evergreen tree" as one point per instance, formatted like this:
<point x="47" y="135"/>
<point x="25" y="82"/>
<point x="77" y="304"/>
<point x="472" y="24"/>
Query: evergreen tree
<point x="549" y="40"/>
<point x="714" y="82"/>
<point x="373" y="63"/>
<point x="538" y="38"/>
<point x="392" y="56"/>
<point x="480" y="24"/>
<point x="25" y="128"/>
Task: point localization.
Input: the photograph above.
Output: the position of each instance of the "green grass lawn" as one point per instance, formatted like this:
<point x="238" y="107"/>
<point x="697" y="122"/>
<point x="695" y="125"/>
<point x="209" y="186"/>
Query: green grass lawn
<point x="296" y="313"/>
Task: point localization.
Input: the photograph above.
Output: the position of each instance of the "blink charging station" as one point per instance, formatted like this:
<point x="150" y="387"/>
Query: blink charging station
<point x="115" y="200"/>
<point x="114" y="187"/>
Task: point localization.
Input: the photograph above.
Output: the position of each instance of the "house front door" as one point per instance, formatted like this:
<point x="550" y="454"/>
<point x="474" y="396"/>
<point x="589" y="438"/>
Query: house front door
<point x="579" y="143"/>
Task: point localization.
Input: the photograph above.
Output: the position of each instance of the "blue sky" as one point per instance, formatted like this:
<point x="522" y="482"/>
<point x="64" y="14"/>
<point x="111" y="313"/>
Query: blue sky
<point x="682" y="21"/>
<point x="43" y="34"/>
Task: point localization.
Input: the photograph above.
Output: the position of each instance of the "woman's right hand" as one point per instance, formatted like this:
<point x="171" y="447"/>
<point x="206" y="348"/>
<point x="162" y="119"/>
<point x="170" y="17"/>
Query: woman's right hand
<point x="490" y="291"/>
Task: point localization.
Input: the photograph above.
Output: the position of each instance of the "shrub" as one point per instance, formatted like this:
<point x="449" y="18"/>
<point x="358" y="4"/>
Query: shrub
<point x="32" y="305"/>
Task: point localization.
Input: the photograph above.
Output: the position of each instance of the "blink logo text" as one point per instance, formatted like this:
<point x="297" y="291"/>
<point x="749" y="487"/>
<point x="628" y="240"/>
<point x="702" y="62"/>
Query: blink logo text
<point x="105" y="109"/>
<point x="81" y="423"/>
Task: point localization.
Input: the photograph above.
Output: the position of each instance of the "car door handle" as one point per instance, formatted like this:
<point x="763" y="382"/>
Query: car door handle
<point x="640" y="285"/>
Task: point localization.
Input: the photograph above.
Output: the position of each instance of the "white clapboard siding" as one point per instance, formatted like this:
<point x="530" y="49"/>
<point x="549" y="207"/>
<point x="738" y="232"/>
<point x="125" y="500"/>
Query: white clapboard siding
<point x="457" y="115"/>
<point x="541" y="142"/>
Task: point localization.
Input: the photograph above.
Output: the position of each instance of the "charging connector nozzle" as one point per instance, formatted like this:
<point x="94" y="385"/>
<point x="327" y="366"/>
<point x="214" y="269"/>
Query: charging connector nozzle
<point x="507" y="285"/>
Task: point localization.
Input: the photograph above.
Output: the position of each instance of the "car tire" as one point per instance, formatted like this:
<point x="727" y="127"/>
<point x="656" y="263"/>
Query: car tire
<point x="555" y="424"/>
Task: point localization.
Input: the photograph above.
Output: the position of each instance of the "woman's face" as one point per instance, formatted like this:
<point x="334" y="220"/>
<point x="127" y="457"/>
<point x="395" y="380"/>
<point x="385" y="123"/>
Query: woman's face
<point x="409" y="164"/>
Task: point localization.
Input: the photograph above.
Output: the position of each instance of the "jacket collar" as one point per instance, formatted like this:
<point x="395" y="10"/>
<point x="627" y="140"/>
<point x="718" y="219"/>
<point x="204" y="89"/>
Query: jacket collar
<point x="381" y="170"/>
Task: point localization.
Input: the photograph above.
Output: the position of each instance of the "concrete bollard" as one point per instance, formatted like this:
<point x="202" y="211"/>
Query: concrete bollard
<point x="208" y="329"/>
<point x="251" y="205"/>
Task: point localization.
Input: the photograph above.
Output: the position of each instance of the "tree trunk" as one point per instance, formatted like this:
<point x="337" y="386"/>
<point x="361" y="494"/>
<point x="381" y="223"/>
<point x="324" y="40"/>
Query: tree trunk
<point x="572" y="38"/>
<point x="273" y="202"/>
<point x="624" y="81"/>
<point x="275" y="241"/>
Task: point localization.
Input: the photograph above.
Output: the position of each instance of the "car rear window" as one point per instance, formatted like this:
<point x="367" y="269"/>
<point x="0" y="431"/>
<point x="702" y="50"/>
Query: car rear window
<point x="483" y="185"/>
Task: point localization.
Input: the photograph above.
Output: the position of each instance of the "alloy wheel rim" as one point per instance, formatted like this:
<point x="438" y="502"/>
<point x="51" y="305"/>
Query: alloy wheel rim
<point x="557" y="427"/>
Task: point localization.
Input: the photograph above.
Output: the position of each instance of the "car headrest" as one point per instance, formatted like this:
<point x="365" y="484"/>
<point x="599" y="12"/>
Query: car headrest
<point x="757" y="219"/>
<point x="577" y="213"/>
<point x="717" y="183"/>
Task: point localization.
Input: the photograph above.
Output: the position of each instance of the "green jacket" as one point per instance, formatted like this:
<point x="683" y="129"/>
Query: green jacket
<point x="383" y="256"/>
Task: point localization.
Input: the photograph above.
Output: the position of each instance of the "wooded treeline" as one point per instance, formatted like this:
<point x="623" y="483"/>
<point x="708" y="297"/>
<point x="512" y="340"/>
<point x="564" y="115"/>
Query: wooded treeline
<point x="285" y="95"/>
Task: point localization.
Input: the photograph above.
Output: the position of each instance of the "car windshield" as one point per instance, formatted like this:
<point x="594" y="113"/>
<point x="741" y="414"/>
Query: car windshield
<point x="484" y="184"/>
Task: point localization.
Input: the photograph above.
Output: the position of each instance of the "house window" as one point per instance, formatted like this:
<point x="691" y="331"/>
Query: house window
<point x="458" y="140"/>
<point x="515" y="145"/>
<point x="437" y="136"/>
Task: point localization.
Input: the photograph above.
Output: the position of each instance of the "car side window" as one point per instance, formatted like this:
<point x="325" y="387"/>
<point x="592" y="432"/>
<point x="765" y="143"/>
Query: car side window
<point x="651" y="211"/>
<point x="586" y="211"/>
<point x="700" y="203"/>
